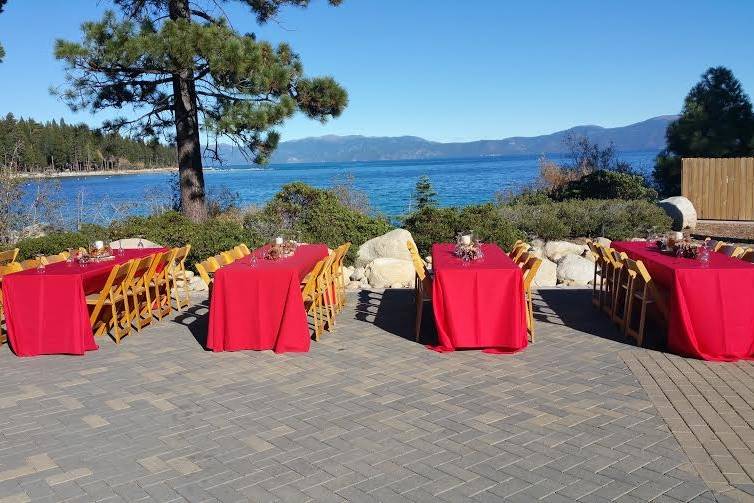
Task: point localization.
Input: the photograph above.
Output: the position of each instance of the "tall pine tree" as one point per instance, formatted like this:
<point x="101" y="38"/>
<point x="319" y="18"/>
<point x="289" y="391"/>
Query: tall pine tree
<point x="182" y="69"/>
<point x="2" y="51"/>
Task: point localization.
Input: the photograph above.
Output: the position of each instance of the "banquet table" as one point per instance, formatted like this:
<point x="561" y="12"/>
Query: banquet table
<point x="711" y="307"/>
<point x="478" y="304"/>
<point x="259" y="306"/>
<point x="46" y="312"/>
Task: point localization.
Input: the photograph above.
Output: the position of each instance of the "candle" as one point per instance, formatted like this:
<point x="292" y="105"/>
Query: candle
<point x="278" y="240"/>
<point x="466" y="239"/>
<point x="99" y="245"/>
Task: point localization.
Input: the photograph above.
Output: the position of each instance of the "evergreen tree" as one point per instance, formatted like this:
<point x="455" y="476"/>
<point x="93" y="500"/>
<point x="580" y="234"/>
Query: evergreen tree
<point x="182" y="67"/>
<point x="2" y="51"/>
<point x="424" y="195"/>
<point x="716" y="121"/>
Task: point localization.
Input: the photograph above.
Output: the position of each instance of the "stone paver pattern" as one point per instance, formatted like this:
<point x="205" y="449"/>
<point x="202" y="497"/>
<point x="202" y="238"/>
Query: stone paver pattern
<point x="370" y="415"/>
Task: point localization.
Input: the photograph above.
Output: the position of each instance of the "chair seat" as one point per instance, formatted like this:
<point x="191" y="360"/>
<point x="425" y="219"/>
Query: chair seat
<point x="93" y="298"/>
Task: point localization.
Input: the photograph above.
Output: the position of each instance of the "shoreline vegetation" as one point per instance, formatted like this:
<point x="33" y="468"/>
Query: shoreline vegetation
<point x="98" y="172"/>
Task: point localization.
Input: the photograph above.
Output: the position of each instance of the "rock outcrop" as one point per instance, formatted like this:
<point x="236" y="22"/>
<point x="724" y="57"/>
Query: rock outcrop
<point x="681" y="210"/>
<point x="389" y="245"/>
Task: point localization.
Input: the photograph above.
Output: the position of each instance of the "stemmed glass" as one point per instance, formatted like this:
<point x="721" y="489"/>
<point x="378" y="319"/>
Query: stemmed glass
<point x="140" y="244"/>
<point x="71" y="256"/>
<point x="40" y="262"/>
<point x="253" y="258"/>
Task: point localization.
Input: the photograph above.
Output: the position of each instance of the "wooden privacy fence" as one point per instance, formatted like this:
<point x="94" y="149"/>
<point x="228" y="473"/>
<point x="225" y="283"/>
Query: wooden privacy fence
<point x="720" y="189"/>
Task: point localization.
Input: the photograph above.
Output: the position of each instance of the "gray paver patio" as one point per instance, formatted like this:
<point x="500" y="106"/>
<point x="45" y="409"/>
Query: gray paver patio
<point x="370" y="415"/>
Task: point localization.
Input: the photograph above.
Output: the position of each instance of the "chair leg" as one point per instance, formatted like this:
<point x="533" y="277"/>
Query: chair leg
<point x="136" y="315"/>
<point x="115" y="323"/>
<point x="419" y="314"/>
<point x="530" y="315"/>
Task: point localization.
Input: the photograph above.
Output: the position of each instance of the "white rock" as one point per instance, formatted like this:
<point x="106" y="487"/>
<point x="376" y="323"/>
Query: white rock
<point x="575" y="270"/>
<point x="353" y="285"/>
<point x="396" y="285"/>
<point x="546" y="275"/>
<point x="390" y="245"/>
<point x="681" y="210"/>
<point x="131" y="243"/>
<point x="347" y="272"/>
<point x="603" y="242"/>
<point x="357" y="274"/>
<point x="555" y="250"/>
<point x="388" y="271"/>
<point x="197" y="284"/>
<point x="537" y="252"/>
<point x="537" y="243"/>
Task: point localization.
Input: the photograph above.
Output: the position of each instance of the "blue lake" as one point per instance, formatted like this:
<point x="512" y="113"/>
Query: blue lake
<point x="389" y="184"/>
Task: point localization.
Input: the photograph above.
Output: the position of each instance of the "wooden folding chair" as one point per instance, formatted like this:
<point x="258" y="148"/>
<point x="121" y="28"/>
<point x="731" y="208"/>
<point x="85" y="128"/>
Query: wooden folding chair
<point x="323" y="290"/>
<point x="748" y="255"/>
<point x="141" y="313"/>
<point x="610" y="269"/>
<point x="312" y="300"/>
<point x="422" y="286"/>
<point x="522" y="258"/>
<point x="598" y="279"/>
<point x="178" y="272"/>
<point x="621" y="282"/>
<point x="731" y="250"/>
<point x="30" y="263"/>
<point x="713" y="244"/>
<point x="8" y="256"/>
<point x="9" y="268"/>
<point x="227" y="258"/>
<point x="529" y="270"/>
<point x="235" y="253"/>
<point x="53" y="259"/>
<point x="518" y="250"/>
<point x="337" y="277"/>
<point x="644" y="292"/>
<point x="112" y="295"/>
<point x="160" y="284"/>
<point x="244" y="249"/>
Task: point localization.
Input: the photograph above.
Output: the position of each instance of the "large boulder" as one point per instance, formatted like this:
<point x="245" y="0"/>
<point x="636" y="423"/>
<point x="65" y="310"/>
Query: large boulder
<point x="681" y="210"/>
<point x="131" y="243"/>
<point x="390" y="245"/>
<point x="555" y="250"/>
<point x="546" y="275"/>
<point x="384" y="272"/>
<point x="575" y="270"/>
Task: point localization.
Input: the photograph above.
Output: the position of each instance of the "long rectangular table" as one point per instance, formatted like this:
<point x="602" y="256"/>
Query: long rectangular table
<point x="46" y="312"/>
<point x="478" y="304"/>
<point x="260" y="307"/>
<point x="711" y="306"/>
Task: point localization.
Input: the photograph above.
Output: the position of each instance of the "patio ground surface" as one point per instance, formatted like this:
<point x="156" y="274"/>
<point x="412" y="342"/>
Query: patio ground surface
<point x="370" y="415"/>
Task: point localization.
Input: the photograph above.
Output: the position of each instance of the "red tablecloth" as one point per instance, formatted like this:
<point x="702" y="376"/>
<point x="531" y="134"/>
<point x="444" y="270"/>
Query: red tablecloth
<point x="479" y="304"/>
<point x="711" y="307"/>
<point x="46" y="313"/>
<point x="260" y="307"/>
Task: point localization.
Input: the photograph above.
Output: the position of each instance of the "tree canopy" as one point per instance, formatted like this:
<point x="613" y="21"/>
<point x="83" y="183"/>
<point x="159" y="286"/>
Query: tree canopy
<point x="716" y="121"/>
<point x="2" y="51"/>
<point x="425" y="195"/>
<point x="182" y="69"/>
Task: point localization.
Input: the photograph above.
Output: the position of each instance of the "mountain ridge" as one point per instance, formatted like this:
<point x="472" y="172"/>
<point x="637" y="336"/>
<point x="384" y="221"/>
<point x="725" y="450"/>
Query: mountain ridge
<point x="644" y="135"/>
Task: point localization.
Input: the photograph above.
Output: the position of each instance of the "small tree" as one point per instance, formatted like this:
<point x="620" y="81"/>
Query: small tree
<point x="183" y="69"/>
<point x="424" y="195"/>
<point x="716" y="121"/>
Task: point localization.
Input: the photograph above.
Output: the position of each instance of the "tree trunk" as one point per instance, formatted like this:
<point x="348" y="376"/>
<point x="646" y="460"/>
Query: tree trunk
<point x="191" y="174"/>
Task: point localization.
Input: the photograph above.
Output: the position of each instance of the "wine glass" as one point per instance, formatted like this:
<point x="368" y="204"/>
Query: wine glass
<point x="253" y="258"/>
<point x="40" y="258"/>
<point x="71" y="256"/>
<point x="140" y="244"/>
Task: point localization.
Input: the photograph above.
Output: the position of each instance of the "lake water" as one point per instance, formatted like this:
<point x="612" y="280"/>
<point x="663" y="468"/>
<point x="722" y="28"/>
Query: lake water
<point x="389" y="184"/>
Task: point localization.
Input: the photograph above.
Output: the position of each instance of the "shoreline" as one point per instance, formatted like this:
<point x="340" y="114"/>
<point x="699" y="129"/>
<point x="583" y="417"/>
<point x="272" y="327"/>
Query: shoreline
<point x="74" y="174"/>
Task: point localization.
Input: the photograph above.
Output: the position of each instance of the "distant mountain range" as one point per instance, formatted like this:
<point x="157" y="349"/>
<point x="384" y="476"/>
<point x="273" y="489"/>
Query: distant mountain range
<point x="645" y="135"/>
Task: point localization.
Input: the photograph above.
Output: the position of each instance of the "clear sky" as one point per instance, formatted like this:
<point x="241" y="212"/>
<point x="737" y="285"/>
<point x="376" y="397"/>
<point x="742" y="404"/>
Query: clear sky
<point x="448" y="70"/>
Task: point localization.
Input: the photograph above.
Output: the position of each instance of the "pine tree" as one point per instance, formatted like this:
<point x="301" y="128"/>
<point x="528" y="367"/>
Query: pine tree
<point x="2" y="51"/>
<point x="182" y="67"/>
<point x="424" y="194"/>
<point x="716" y="121"/>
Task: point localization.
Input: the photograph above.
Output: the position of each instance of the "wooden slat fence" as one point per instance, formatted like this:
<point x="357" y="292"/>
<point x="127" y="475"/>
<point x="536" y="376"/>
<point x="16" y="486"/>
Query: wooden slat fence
<point x="720" y="189"/>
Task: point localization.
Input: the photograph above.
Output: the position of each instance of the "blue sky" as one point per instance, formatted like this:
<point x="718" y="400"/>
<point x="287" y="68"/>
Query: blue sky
<point x="448" y="70"/>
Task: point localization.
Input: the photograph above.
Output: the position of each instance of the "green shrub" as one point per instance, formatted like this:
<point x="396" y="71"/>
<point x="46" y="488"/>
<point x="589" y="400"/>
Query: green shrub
<point x="614" y="219"/>
<point x="441" y="225"/>
<point x="316" y="215"/>
<point x="604" y="184"/>
<point x="57" y="242"/>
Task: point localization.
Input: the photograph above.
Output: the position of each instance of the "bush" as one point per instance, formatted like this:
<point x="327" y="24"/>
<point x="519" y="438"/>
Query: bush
<point x="316" y="215"/>
<point x="441" y="225"/>
<point x="603" y="184"/>
<point x="614" y="219"/>
<point x="57" y="242"/>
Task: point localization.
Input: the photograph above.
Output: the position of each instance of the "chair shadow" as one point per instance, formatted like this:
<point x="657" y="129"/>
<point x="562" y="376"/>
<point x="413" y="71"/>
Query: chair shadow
<point x="572" y="307"/>
<point x="394" y="311"/>
<point x="196" y="319"/>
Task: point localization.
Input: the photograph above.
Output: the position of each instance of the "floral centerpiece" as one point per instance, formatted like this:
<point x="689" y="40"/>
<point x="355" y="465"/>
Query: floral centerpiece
<point x="280" y="248"/>
<point x="685" y="249"/>
<point x="468" y="247"/>
<point x="98" y="251"/>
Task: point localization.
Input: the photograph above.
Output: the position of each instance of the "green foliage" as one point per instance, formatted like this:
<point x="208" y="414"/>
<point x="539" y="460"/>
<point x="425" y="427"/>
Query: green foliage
<point x="27" y="145"/>
<point x="441" y="225"/>
<point x="2" y="51"/>
<point x="612" y="218"/>
<point x="604" y="184"/>
<point x="424" y="194"/>
<point x="241" y="87"/>
<point x="716" y="121"/>
<point x="316" y="215"/>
